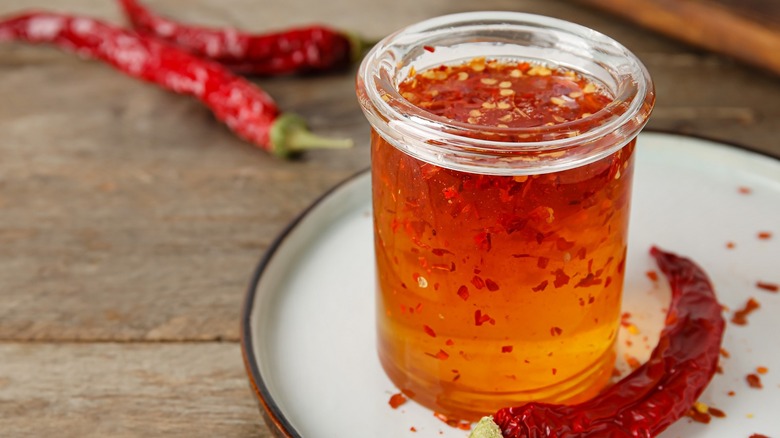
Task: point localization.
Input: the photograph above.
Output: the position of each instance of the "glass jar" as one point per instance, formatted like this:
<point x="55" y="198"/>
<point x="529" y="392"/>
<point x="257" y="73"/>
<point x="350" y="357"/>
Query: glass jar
<point x="500" y="250"/>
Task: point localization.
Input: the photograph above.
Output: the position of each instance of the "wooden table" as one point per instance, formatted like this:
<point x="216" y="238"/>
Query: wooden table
<point x="131" y="221"/>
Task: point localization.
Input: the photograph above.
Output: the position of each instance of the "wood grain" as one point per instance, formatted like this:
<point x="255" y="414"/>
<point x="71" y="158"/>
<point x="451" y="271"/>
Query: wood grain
<point x="119" y="390"/>
<point x="131" y="221"/>
<point x="723" y="27"/>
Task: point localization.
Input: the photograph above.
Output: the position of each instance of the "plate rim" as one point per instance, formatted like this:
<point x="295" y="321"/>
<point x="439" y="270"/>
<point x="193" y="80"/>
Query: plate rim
<point x="270" y="411"/>
<point x="272" y="414"/>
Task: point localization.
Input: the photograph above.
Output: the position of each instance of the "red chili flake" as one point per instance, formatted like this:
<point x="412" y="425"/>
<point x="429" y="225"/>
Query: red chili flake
<point x="765" y="235"/>
<point x="652" y="275"/>
<point x="633" y="362"/>
<point x="539" y="238"/>
<point x="740" y="316"/>
<point x="607" y="282"/>
<point x="441" y="355"/>
<point x="762" y="370"/>
<point x="394" y="224"/>
<point x="744" y="190"/>
<point x="541" y="286"/>
<point x="581" y="253"/>
<point x="563" y="244"/>
<point x="542" y="262"/>
<point x="429" y="331"/>
<point x="483" y="241"/>
<point x="453" y="422"/>
<point x="591" y="299"/>
<point x="440" y="251"/>
<point x="554" y="371"/>
<point x="397" y="400"/>
<point x="444" y="266"/>
<point x="758" y="435"/>
<point x="719" y="369"/>
<point x="455" y="379"/>
<point x="491" y="285"/>
<point x="771" y="287"/>
<point x="477" y="282"/>
<point x="622" y="265"/>
<point x="480" y="318"/>
<point x="429" y="48"/>
<point x="699" y="417"/>
<point x="730" y="245"/>
<point x="754" y="381"/>
<point x="731" y="393"/>
<point x="582" y="302"/>
<point x="725" y="353"/>
<point x="555" y="331"/>
<point x="715" y="412"/>
<point x="449" y="342"/>
<point x="450" y="192"/>
<point x="561" y="279"/>
<point x="463" y="292"/>
<point x="589" y="280"/>
<point x="413" y="429"/>
<point x="506" y="349"/>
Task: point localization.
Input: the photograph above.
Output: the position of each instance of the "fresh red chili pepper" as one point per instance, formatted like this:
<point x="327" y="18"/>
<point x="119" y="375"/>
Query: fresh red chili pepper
<point x="657" y="393"/>
<point x="299" y="50"/>
<point x="245" y="108"/>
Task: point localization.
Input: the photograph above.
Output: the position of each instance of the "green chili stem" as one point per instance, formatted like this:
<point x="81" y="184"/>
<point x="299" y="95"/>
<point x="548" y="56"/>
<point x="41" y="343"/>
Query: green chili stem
<point x="289" y="135"/>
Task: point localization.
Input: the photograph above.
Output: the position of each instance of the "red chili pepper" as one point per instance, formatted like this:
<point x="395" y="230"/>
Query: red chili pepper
<point x="299" y="50"/>
<point x="657" y="393"/>
<point x="245" y="108"/>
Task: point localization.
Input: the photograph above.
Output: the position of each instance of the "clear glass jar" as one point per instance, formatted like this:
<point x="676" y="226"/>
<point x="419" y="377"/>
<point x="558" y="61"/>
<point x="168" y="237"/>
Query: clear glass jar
<point x="500" y="250"/>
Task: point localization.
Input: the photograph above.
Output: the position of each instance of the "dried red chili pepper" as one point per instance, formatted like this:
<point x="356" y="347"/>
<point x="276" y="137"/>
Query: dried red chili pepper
<point x="657" y="393"/>
<point x="299" y="50"/>
<point x="245" y="108"/>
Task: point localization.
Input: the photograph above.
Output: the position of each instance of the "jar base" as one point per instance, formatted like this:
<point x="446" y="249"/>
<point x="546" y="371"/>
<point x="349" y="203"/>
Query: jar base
<point x="471" y="406"/>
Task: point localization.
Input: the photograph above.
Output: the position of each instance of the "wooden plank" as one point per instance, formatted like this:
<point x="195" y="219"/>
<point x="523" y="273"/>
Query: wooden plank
<point x="713" y="26"/>
<point x="126" y="390"/>
<point x="764" y="11"/>
<point x="130" y="214"/>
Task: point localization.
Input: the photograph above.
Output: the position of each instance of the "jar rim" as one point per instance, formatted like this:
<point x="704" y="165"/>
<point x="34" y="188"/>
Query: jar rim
<point x="454" y="144"/>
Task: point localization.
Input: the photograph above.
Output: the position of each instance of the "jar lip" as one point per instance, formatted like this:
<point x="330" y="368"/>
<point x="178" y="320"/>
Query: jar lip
<point x="394" y="116"/>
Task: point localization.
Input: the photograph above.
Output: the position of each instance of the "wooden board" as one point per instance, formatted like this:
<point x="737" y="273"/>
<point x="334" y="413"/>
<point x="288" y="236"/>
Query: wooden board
<point x="119" y="390"/>
<point x="131" y="221"/>
<point x="745" y="30"/>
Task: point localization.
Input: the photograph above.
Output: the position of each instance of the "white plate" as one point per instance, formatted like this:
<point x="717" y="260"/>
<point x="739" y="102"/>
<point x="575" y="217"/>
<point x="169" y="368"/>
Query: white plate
<point x="308" y="323"/>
